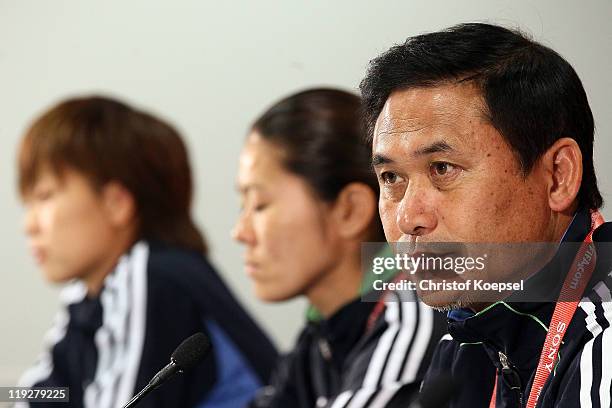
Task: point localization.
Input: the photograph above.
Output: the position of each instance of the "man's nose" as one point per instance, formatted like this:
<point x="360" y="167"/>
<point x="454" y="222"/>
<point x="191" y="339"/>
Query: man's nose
<point x="416" y="214"/>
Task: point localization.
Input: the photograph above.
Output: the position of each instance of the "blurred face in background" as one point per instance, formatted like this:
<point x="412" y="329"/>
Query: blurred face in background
<point x="72" y="228"/>
<point x="290" y="244"/>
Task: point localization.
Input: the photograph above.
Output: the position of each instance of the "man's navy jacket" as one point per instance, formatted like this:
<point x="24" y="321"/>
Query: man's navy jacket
<point x="512" y="335"/>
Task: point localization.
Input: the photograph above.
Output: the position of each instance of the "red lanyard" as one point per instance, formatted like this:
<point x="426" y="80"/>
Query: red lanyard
<point x="573" y="288"/>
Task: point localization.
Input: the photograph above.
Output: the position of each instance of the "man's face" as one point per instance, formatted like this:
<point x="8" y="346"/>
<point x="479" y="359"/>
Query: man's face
<point x="447" y="175"/>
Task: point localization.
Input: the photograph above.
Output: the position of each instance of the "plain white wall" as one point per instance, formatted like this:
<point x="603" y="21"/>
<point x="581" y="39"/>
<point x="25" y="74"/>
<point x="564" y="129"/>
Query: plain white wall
<point x="210" y="68"/>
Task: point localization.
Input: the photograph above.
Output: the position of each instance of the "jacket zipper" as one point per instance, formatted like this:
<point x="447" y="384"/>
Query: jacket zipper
<point x="510" y="376"/>
<point x="325" y="349"/>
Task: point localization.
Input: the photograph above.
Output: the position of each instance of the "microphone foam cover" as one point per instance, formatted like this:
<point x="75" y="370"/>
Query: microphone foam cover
<point x="193" y="349"/>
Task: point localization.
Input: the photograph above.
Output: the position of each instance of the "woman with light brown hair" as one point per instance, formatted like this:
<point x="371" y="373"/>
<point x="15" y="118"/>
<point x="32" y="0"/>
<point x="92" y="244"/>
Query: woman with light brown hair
<point x="108" y="190"/>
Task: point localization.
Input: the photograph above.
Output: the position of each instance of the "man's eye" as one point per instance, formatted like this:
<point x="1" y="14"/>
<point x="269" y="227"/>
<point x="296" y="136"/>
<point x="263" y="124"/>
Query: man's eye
<point x="388" y="177"/>
<point x="443" y="170"/>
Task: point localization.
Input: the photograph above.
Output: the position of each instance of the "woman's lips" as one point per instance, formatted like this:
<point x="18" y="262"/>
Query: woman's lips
<point x="250" y="268"/>
<point x="39" y="254"/>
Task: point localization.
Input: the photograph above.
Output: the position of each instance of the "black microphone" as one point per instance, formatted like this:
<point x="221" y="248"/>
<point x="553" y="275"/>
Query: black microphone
<point x="437" y="393"/>
<point x="186" y="356"/>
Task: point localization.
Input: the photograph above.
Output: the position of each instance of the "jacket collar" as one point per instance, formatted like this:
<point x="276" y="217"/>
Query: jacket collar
<point x="344" y="328"/>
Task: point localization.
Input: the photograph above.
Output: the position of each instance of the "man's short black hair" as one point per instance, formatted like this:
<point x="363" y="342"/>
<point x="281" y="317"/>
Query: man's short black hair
<point x="532" y="96"/>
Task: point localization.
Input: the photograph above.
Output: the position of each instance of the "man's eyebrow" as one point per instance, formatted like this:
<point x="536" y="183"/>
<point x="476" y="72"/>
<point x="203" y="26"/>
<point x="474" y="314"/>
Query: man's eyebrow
<point x="435" y="147"/>
<point x="379" y="159"/>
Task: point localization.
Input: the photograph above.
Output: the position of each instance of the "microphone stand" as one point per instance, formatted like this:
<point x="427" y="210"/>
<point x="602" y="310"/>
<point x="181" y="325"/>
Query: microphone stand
<point x="164" y="374"/>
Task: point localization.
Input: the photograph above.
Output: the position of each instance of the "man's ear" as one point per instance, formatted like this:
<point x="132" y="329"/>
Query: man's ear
<point x="119" y="204"/>
<point x="563" y="167"/>
<point x="353" y="210"/>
